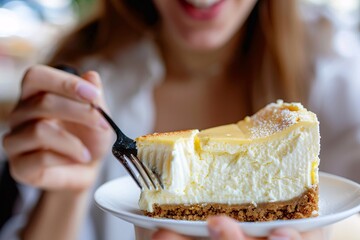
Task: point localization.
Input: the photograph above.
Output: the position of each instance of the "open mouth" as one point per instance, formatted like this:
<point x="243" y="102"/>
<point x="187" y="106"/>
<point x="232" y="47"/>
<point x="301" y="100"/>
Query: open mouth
<point x="202" y="9"/>
<point x="202" y="3"/>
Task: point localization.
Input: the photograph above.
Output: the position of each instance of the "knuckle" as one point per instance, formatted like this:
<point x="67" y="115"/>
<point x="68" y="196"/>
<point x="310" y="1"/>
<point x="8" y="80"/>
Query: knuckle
<point x="15" y="170"/>
<point x="17" y="116"/>
<point x="33" y="176"/>
<point x="5" y="141"/>
<point x="40" y="129"/>
<point x="8" y="146"/>
<point x="69" y="84"/>
<point x="14" y="173"/>
<point x="30" y="73"/>
<point x="45" y="101"/>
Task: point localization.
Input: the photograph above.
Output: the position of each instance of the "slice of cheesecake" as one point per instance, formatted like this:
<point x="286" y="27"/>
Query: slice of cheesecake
<point x="262" y="168"/>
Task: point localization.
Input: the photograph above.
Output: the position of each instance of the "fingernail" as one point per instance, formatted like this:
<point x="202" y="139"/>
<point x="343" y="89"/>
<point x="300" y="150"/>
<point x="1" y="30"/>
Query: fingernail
<point x="87" y="155"/>
<point x="273" y="237"/>
<point x="214" y="231"/>
<point x="87" y="91"/>
<point x="103" y="123"/>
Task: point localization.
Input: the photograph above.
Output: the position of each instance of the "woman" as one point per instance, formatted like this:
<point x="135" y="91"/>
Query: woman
<point x="213" y="61"/>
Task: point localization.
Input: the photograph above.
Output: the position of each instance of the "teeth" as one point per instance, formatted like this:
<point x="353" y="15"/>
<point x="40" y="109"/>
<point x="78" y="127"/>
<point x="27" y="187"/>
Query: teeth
<point x="202" y="3"/>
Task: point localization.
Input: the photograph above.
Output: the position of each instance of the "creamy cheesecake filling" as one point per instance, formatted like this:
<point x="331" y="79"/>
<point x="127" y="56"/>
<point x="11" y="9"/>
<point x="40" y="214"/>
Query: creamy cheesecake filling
<point x="235" y="164"/>
<point x="171" y="160"/>
<point x="286" y="173"/>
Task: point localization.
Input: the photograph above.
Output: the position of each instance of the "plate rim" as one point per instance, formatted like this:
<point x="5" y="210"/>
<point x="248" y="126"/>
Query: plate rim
<point x="333" y="217"/>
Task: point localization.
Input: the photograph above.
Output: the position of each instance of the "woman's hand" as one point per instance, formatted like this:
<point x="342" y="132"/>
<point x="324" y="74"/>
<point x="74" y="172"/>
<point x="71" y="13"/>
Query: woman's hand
<point x="225" y="228"/>
<point x="57" y="140"/>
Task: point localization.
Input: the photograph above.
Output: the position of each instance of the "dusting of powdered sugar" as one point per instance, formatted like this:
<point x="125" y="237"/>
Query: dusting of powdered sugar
<point x="273" y="118"/>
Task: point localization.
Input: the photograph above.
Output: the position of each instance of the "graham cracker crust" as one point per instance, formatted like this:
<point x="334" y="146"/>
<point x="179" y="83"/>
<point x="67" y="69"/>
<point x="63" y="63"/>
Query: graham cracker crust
<point x="299" y="207"/>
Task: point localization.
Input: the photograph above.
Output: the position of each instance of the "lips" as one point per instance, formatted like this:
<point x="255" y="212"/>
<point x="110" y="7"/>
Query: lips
<point x="202" y="3"/>
<point x="202" y="9"/>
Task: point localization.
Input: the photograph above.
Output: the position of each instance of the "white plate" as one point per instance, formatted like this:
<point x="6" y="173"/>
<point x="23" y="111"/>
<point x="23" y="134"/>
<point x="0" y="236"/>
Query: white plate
<point x="339" y="199"/>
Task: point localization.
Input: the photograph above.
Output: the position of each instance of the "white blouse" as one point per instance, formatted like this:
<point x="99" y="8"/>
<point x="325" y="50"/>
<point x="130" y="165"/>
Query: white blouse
<point x="129" y="82"/>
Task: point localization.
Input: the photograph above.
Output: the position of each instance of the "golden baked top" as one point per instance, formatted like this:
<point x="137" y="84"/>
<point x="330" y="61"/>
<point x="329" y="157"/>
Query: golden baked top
<point x="272" y="119"/>
<point x="167" y="137"/>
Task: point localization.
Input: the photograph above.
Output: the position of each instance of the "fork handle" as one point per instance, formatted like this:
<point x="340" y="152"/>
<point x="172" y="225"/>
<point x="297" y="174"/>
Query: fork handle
<point x="68" y="69"/>
<point x="127" y="143"/>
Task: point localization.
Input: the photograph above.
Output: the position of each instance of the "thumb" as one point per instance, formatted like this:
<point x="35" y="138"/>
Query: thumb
<point x="224" y="228"/>
<point x="285" y="234"/>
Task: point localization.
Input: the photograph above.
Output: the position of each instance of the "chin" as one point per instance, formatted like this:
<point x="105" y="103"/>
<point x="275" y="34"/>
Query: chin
<point x="204" y="41"/>
<point x="203" y="28"/>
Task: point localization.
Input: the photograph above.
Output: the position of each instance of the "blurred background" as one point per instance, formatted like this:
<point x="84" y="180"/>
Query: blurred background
<point x="30" y="29"/>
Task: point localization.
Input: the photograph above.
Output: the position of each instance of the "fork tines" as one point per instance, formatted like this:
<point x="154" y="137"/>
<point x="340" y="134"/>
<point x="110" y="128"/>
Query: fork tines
<point x="147" y="177"/>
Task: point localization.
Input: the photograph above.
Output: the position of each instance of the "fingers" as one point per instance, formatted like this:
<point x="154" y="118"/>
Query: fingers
<point x="46" y="79"/>
<point x="285" y="234"/>
<point x="51" y="93"/>
<point x="224" y="228"/>
<point x="51" y="138"/>
<point x="45" y="135"/>
<point x="50" y="171"/>
<point x="166" y="235"/>
<point x="48" y="105"/>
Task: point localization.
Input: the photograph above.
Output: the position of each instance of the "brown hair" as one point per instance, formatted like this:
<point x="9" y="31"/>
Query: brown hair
<point x="272" y="48"/>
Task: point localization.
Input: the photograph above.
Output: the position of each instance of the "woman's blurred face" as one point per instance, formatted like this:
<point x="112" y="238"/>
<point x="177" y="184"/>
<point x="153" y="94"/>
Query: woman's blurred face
<point x="203" y="24"/>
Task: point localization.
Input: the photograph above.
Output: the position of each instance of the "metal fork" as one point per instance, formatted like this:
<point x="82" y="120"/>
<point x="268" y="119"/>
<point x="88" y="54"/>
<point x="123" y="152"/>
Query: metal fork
<point x="124" y="149"/>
